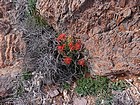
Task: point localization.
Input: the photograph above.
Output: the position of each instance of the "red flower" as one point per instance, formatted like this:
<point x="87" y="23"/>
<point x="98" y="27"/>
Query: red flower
<point x="67" y="60"/>
<point x="78" y="45"/>
<point x="81" y="62"/>
<point x="61" y="37"/>
<point x="71" y="46"/>
<point x="61" y="48"/>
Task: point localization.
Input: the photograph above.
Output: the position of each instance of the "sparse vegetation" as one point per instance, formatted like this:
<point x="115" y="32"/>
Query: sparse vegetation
<point x="101" y="87"/>
<point x="85" y="86"/>
<point x="119" y="85"/>
<point x="89" y="86"/>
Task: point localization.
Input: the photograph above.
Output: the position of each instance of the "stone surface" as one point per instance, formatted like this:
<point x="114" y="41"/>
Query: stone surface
<point x="110" y="29"/>
<point x="80" y="101"/>
<point x="11" y="49"/>
<point x="2" y="92"/>
<point x="123" y="98"/>
<point x="91" y="100"/>
<point x="8" y="77"/>
<point x="11" y="46"/>
<point x="11" y="43"/>
<point x="53" y="93"/>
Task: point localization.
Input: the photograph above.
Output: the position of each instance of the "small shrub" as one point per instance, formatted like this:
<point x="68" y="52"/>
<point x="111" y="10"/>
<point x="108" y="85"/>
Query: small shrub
<point x="101" y="87"/>
<point x="119" y="85"/>
<point x="85" y="86"/>
<point x="71" y="51"/>
<point x="89" y="86"/>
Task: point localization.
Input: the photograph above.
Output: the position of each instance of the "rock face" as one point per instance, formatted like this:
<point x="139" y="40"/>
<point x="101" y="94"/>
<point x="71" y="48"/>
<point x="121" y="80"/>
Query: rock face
<point x="110" y="30"/>
<point x="11" y="44"/>
<point x="11" y="48"/>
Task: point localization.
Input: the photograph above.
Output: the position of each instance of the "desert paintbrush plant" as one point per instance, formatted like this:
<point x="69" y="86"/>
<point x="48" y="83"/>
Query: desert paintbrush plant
<point x="71" y="51"/>
<point x="58" y="59"/>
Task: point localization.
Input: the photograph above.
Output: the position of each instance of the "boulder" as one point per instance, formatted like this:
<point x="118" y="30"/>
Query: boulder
<point x="110" y="30"/>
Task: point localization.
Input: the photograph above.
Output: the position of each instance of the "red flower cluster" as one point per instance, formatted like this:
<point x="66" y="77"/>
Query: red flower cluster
<point x="81" y="62"/>
<point x="67" y="60"/>
<point x="61" y="37"/>
<point x="71" y="46"/>
<point x="78" y="45"/>
<point x="61" y="48"/>
<point x="66" y="47"/>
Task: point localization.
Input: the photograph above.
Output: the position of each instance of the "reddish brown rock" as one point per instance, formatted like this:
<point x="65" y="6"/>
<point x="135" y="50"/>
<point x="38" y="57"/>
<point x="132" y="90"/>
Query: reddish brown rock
<point x="122" y="3"/>
<point x="11" y="43"/>
<point x="11" y="46"/>
<point x="112" y="29"/>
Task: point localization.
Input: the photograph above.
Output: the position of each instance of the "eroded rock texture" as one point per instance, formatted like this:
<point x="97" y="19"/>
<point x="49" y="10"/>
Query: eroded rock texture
<point x="110" y="30"/>
<point x="11" y="49"/>
<point x="11" y="43"/>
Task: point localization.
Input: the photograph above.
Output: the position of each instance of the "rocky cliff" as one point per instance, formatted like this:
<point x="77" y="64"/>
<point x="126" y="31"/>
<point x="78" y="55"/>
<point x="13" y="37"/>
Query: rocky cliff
<point x="110" y="30"/>
<point x="11" y="43"/>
